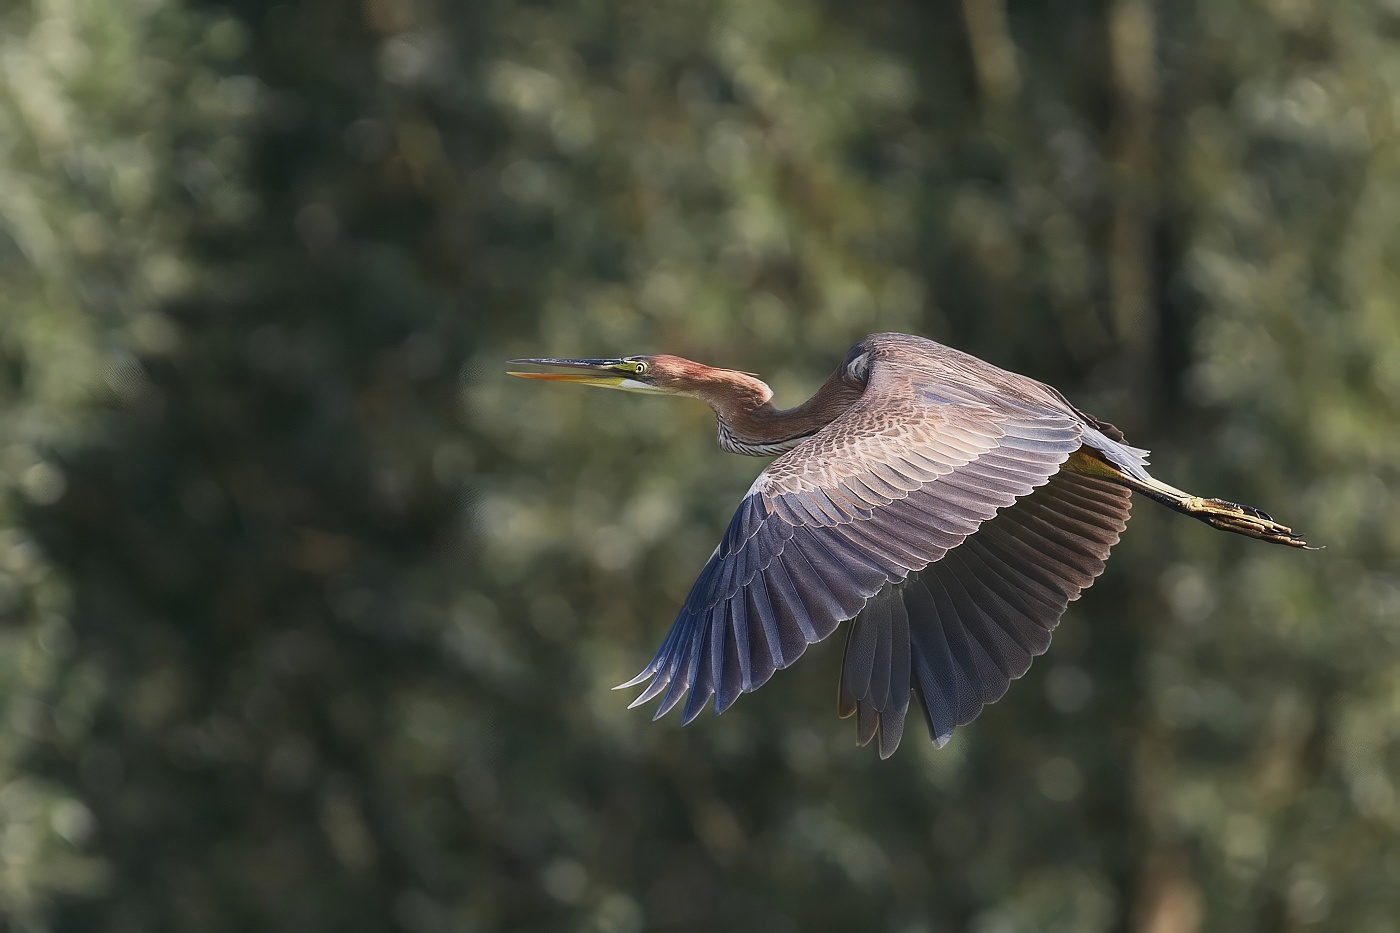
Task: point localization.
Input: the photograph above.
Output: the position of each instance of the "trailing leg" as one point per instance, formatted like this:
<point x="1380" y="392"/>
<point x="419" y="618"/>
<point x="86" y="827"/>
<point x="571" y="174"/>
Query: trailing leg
<point x="1217" y="513"/>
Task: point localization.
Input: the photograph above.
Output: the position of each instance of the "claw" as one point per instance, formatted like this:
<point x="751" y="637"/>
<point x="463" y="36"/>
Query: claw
<point x="1243" y="520"/>
<point x="1236" y="507"/>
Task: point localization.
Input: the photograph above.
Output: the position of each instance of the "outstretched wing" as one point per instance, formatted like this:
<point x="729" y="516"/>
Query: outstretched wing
<point x="900" y="479"/>
<point x="963" y="628"/>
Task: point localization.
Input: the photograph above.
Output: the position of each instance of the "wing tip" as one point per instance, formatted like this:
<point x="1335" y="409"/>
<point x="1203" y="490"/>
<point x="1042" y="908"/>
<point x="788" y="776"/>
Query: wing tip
<point x="635" y="681"/>
<point x="692" y="713"/>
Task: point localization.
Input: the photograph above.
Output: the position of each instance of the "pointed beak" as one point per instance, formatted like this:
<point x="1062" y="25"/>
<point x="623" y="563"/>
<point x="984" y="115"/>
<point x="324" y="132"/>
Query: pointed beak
<point x="607" y="374"/>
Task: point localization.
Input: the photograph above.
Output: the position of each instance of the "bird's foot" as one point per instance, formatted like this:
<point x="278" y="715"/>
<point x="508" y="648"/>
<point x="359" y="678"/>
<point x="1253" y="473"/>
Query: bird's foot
<point x="1243" y="520"/>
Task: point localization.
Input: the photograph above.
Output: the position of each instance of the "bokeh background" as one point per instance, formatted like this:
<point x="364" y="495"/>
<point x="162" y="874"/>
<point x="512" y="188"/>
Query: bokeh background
<point x="308" y="615"/>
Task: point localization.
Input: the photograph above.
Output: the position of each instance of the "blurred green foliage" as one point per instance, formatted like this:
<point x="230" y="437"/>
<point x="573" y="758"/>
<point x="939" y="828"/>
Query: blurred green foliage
<point x="309" y="616"/>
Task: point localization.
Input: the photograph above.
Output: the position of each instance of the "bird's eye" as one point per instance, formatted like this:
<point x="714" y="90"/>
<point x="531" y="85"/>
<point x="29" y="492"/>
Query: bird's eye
<point x="640" y="367"/>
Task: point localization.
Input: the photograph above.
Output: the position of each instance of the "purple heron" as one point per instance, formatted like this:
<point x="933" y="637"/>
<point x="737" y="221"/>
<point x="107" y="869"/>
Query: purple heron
<point x="948" y="509"/>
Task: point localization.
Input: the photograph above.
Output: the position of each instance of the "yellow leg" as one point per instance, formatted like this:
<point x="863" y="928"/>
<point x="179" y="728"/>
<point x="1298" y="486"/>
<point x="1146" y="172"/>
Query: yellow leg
<point x="1217" y="513"/>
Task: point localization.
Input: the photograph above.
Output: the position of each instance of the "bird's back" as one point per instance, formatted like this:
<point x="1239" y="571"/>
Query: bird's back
<point x="930" y="372"/>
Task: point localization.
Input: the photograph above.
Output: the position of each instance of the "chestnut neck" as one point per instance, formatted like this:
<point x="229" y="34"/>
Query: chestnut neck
<point x="749" y="423"/>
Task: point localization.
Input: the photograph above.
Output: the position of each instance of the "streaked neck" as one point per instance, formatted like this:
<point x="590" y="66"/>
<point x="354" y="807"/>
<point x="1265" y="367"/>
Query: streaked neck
<point x="748" y="422"/>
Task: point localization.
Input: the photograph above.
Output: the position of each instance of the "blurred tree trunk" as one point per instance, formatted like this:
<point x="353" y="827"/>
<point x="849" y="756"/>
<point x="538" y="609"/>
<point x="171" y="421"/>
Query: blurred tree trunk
<point x="1132" y="261"/>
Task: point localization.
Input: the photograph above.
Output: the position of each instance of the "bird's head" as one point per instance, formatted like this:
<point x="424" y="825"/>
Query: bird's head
<point x="629" y="373"/>
<point x="659" y="374"/>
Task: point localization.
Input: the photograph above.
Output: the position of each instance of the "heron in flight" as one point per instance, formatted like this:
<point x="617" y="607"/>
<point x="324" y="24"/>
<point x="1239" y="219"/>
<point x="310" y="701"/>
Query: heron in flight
<point x="946" y="509"/>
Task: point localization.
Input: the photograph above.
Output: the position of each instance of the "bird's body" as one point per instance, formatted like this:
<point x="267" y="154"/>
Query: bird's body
<point x="948" y="509"/>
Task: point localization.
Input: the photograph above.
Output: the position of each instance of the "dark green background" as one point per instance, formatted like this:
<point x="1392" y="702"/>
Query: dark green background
<point x="308" y="615"/>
